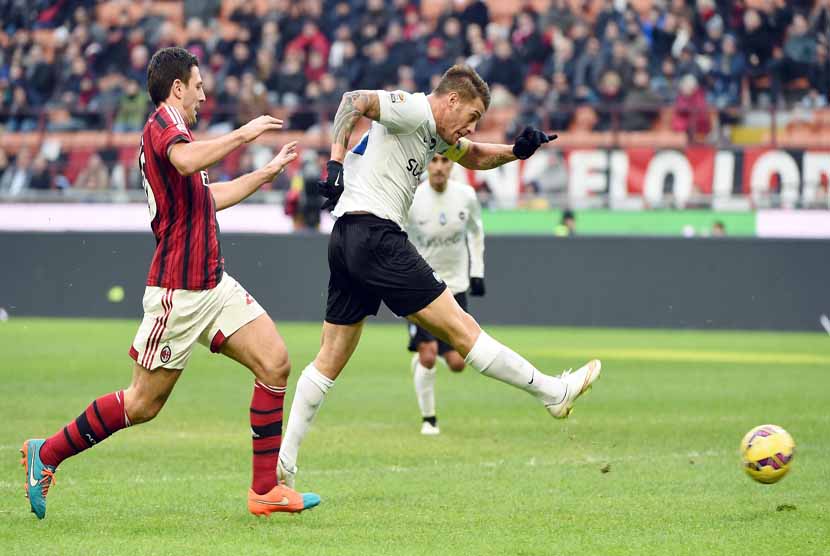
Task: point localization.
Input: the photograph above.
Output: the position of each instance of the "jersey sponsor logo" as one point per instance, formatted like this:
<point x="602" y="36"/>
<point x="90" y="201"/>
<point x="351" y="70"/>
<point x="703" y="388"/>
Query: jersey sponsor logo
<point x="397" y="97"/>
<point x="413" y="167"/>
<point x="165" y="354"/>
<point x="462" y="215"/>
<point x="439" y="241"/>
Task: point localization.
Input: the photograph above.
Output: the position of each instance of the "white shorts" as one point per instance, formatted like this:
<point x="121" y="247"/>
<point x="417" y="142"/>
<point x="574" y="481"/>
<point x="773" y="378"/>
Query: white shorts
<point x="174" y="320"/>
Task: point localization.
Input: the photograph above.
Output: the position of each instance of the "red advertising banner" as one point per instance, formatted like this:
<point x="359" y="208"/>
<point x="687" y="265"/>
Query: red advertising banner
<point x="753" y="177"/>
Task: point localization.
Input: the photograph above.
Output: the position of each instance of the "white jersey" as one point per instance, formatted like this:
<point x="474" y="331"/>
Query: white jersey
<point x="381" y="172"/>
<point x="447" y="231"/>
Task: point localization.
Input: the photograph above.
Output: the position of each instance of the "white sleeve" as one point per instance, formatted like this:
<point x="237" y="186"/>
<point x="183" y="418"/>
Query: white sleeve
<point x="475" y="237"/>
<point x="401" y="112"/>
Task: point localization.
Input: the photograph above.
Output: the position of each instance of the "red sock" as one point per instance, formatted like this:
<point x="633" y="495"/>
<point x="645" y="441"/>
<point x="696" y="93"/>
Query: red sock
<point x="104" y="417"/>
<point x="266" y="430"/>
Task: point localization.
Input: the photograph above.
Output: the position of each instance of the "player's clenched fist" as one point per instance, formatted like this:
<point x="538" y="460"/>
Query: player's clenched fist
<point x="258" y="126"/>
<point x="529" y="140"/>
<point x="286" y="155"/>
<point x="332" y="187"/>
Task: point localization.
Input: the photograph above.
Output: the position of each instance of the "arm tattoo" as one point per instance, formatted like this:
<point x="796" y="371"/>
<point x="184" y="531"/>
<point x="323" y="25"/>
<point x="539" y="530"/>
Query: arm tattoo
<point x="350" y="110"/>
<point x="490" y="161"/>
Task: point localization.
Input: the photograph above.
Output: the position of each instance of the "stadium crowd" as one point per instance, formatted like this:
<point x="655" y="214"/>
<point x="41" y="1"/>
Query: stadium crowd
<point x="70" y="65"/>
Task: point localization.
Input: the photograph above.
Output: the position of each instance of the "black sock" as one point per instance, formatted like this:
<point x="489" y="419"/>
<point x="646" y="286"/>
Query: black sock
<point x="431" y="420"/>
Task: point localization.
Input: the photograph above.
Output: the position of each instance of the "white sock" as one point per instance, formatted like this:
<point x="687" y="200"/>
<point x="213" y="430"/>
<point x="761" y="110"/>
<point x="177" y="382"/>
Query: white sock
<point x="425" y="389"/>
<point x="308" y="397"/>
<point x="493" y="359"/>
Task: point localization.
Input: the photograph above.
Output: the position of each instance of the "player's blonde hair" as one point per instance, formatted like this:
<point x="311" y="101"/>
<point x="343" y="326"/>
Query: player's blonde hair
<point x="465" y="81"/>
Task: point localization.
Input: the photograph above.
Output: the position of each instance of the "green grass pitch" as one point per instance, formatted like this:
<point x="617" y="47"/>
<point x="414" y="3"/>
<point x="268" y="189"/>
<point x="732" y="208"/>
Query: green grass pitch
<point x="503" y="478"/>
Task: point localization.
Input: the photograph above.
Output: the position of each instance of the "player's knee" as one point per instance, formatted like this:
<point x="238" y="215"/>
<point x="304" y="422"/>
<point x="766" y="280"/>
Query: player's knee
<point x="427" y="354"/>
<point x="463" y="334"/>
<point x="142" y="408"/>
<point x="274" y="370"/>
<point x="456" y="364"/>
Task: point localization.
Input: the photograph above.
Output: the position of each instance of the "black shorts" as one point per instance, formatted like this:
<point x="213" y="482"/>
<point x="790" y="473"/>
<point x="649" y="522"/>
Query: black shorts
<point x="418" y="335"/>
<point x="371" y="260"/>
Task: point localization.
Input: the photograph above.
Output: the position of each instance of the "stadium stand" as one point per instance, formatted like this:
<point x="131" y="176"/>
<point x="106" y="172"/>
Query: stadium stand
<point x="609" y="73"/>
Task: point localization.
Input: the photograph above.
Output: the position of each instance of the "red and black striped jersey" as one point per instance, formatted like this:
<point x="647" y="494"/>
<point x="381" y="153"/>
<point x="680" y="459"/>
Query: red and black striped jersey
<point x="182" y="210"/>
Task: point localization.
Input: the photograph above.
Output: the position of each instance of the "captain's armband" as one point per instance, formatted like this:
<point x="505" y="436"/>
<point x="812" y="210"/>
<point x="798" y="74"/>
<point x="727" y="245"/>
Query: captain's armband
<point x="457" y="151"/>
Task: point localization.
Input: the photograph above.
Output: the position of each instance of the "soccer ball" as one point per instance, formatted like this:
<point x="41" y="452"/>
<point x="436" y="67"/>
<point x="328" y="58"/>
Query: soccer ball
<point x="767" y="453"/>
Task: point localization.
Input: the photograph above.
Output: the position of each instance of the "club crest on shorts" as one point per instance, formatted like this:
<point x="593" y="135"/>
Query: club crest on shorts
<point x="437" y="278"/>
<point x="165" y="354"/>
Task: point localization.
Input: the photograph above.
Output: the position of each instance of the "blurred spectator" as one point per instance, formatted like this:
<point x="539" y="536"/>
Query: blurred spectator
<point x="400" y="51"/>
<point x="558" y="15"/>
<point x="609" y="103"/>
<point x="562" y="60"/>
<point x="41" y="176"/>
<point x="132" y="109"/>
<point x="560" y="102"/>
<point x="94" y="175"/>
<point x="292" y="81"/>
<point x="351" y="71"/>
<point x="718" y="229"/>
<point x="567" y="226"/>
<point x="665" y="83"/>
<point x="640" y="107"/>
<point x="380" y="72"/>
<point x="21" y="116"/>
<point x="4" y="162"/>
<point x="726" y="78"/>
<point x="663" y="34"/>
<point x="18" y="175"/>
<point x="587" y="68"/>
<point x="819" y="76"/>
<point x="691" y="113"/>
<point x="528" y="44"/>
<point x="506" y="69"/>
<point x="253" y="100"/>
<point x="454" y="44"/>
<point x="531" y="106"/>
<point x="618" y="61"/>
<point x="434" y="63"/>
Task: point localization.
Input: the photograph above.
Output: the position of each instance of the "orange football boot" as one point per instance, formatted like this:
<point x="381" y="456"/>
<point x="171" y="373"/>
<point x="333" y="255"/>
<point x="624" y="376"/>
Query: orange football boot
<point x="281" y="499"/>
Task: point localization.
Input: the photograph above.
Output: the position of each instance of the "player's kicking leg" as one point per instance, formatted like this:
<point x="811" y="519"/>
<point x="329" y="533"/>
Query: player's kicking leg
<point x="105" y="416"/>
<point x="258" y="346"/>
<point x="337" y="346"/>
<point x="445" y="319"/>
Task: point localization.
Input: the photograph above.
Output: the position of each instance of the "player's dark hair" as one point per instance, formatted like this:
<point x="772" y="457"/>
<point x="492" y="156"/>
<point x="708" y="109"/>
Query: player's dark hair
<point x="167" y="65"/>
<point x="464" y="80"/>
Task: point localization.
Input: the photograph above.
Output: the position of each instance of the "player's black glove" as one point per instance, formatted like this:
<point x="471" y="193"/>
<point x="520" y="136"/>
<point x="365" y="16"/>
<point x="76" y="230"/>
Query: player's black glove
<point x="332" y="187"/>
<point x="529" y="140"/>
<point x="477" y="287"/>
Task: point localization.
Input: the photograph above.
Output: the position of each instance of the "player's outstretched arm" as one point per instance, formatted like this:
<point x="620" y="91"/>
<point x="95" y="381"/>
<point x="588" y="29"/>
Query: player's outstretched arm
<point x="353" y="106"/>
<point x="484" y="156"/>
<point x="227" y="194"/>
<point x="189" y="158"/>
